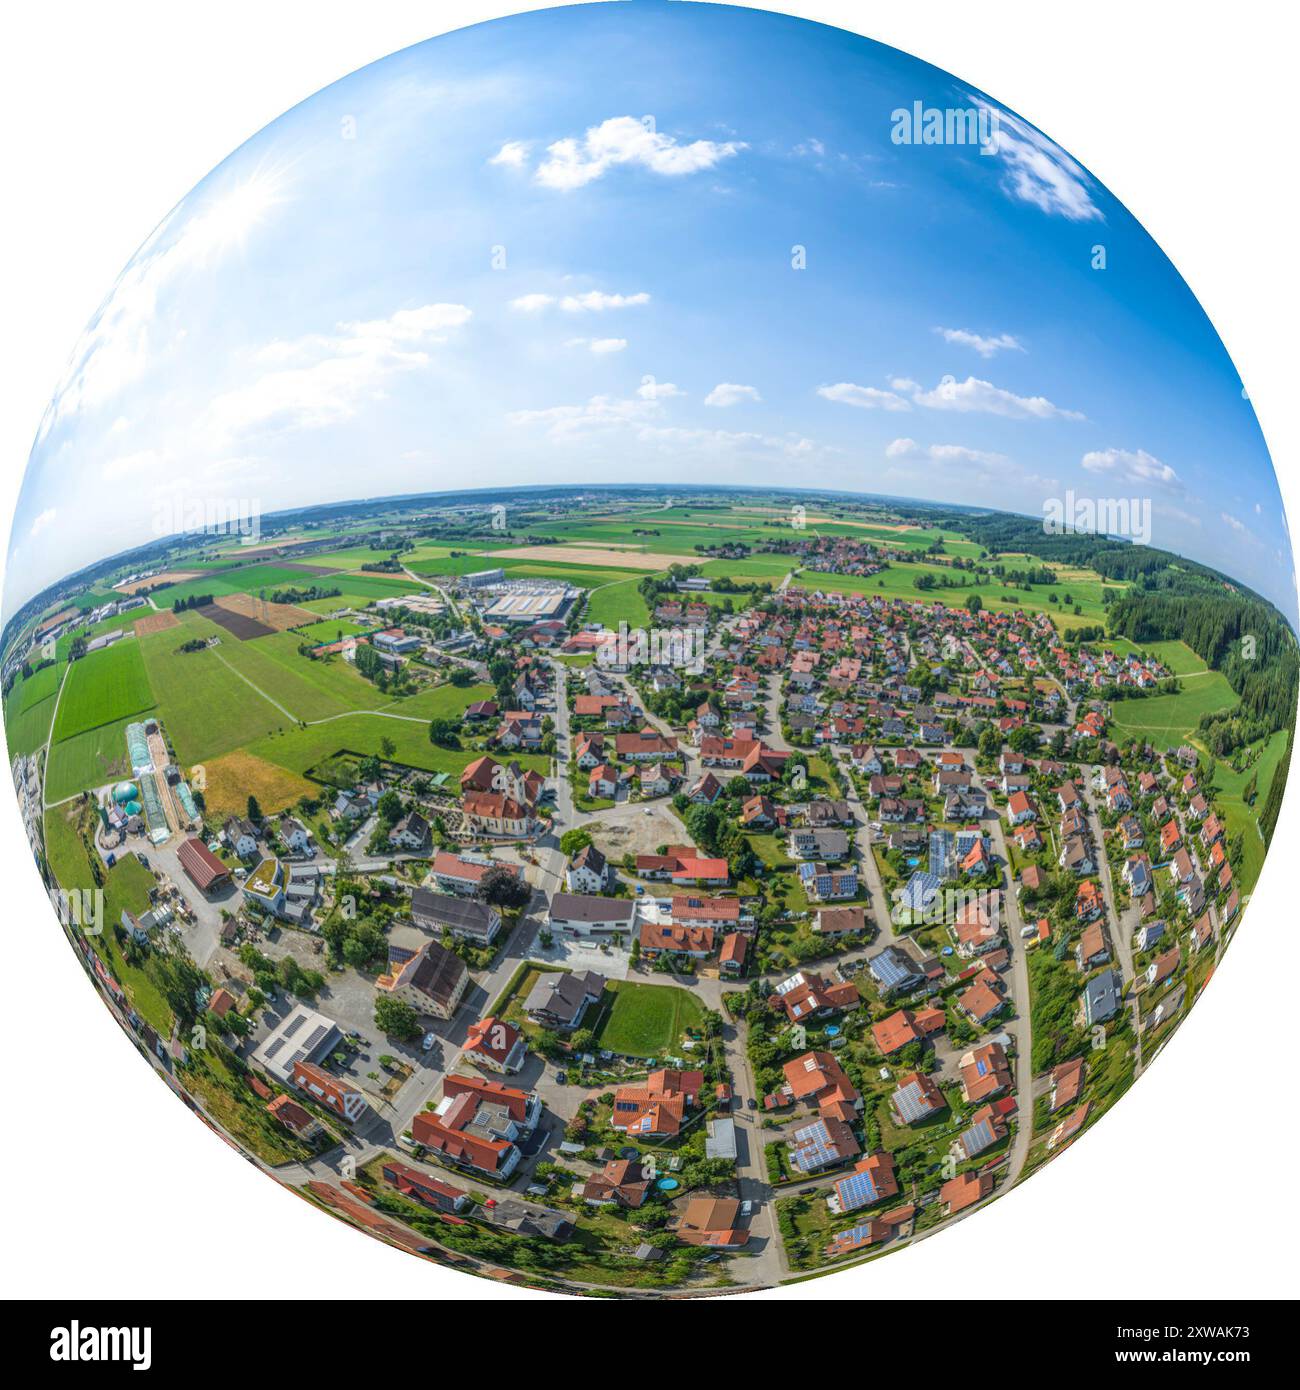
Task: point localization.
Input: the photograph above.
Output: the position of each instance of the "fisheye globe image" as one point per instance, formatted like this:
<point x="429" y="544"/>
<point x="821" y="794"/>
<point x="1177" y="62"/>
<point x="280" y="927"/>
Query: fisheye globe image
<point x="649" y="651"/>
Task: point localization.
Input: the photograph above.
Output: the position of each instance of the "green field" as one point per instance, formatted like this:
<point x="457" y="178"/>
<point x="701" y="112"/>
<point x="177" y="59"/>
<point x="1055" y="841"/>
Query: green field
<point x="126" y="887"/>
<point x="307" y="689"/>
<point x="208" y="709"/>
<point x="440" y="701"/>
<point x="299" y="749"/>
<point x="40" y="685"/>
<point x="246" y="579"/>
<point x="90" y="759"/>
<point x="1241" y="819"/>
<point x="332" y="630"/>
<point x="898" y="581"/>
<point x="1167" y="720"/>
<point x="647" y="1020"/>
<point x="103" y="687"/>
<point x="27" y="729"/>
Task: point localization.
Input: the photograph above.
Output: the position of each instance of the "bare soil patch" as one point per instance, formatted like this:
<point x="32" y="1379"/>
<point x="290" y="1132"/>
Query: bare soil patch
<point x="156" y="622"/>
<point x="277" y="617"/>
<point x="605" y="557"/>
<point x="166" y="577"/>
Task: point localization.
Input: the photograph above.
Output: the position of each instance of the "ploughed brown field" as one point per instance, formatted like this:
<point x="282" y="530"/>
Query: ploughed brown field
<point x="270" y="617"/>
<point x="156" y="622"/>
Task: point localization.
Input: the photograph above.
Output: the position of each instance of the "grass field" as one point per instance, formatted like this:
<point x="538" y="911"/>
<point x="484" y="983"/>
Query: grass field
<point x="647" y="1020"/>
<point x="1240" y="818"/>
<point x="898" y="581"/>
<point x="40" y="685"/>
<point x="307" y="689"/>
<point x="440" y="701"/>
<point x="1165" y="720"/>
<point x="246" y="579"/>
<point x="330" y="630"/>
<point x="207" y="707"/>
<point x="87" y="760"/>
<point x="103" y="687"/>
<point x="26" y="730"/>
<point x="126" y="887"/>
<point x="228" y="782"/>
<point x="299" y="749"/>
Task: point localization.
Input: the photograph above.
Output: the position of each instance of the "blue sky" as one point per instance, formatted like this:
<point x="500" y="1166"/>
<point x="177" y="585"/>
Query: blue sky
<point x="560" y="248"/>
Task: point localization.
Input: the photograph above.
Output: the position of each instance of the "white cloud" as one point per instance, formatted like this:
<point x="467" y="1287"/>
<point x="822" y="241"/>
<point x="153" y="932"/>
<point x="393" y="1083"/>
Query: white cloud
<point x="532" y="303"/>
<point x="864" y="397"/>
<point x="1131" y="466"/>
<point x="1236" y="523"/>
<point x="986" y="347"/>
<point x="131" y="465"/>
<point x="600" y="346"/>
<point x="1038" y="171"/>
<point x="981" y="397"/>
<point x="941" y="453"/>
<point x="322" y="379"/>
<point x="513" y="154"/>
<point x="727" y="393"/>
<point x="652" y="390"/>
<point x="42" y="520"/>
<point x="572" y="163"/>
<point x="119" y="342"/>
<point x="596" y="302"/>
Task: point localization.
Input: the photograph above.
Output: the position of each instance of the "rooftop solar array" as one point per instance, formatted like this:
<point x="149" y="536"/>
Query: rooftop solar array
<point x="857" y="1190"/>
<point x="978" y="1138"/>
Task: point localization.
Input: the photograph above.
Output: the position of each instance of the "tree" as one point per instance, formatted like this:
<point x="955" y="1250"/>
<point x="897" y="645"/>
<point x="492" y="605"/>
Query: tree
<point x="396" y="1018"/>
<point x="254" y="811"/>
<point x="444" y="733"/>
<point x="974" y="603"/>
<point x="502" y="887"/>
<point x="387" y="747"/>
<point x="574" y="840"/>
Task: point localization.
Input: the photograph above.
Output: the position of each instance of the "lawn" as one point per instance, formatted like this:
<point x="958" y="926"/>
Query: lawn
<point x="440" y="701"/>
<point x="330" y="630"/>
<point x="647" y="1020"/>
<point x="105" y="686"/>
<point x="618" y="602"/>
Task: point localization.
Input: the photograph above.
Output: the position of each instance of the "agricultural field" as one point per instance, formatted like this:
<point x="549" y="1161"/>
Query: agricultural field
<point x="440" y="701"/>
<point x="647" y="1020"/>
<point x="245" y="579"/>
<point x="26" y="729"/>
<point x="103" y="687"/>
<point x="228" y="782"/>
<point x="299" y="749"/>
<point x="90" y="759"/>
<point x="898" y="581"/>
<point x="126" y="888"/>
<point x="208" y="707"/>
<point x="307" y="689"/>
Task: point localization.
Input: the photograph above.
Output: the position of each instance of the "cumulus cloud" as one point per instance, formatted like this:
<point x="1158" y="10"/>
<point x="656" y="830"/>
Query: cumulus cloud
<point x="623" y="140"/>
<point x="940" y="453"/>
<point x="985" y="346"/>
<point x="1236" y="523"/>
<point x="652" y="390"/>
<point x="1131" y="466"/>
<point x="981" y="397"/>
<point x="864" y="397"/>
<point x="532" y="303"/>
<point x="727" y="393"/>
<point x="322" y="379"/>
<point x="588" y="302"/>
<point x="1038" y="171"/>
<point x="513" y="154"/>
<point x="43" y="519"/>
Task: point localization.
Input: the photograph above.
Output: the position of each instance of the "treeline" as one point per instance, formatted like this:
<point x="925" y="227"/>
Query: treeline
<point x="194" y="601"/>
<point x="1273" y="801"/>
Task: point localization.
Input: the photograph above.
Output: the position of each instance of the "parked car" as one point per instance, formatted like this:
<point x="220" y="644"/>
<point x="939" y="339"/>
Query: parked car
<point x="430" y="1042"/>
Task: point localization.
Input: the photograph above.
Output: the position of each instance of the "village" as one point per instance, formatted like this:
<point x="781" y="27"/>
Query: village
<point x="786" y="937"/>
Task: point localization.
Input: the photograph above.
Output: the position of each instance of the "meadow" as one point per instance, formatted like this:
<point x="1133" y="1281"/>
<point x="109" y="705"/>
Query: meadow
<point x="90" y="759"/>
<point x="647" y="1020"/>
<point x="1168" y="720"/>
<point x="102" y="687"/>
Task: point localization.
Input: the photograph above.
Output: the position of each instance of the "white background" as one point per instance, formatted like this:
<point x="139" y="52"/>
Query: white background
<point x="112" y="113"/>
